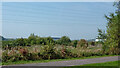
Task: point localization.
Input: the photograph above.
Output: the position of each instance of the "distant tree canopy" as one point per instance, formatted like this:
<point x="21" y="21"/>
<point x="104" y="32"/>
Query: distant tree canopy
<point x="41" y="41"/>
<point x="32" y="39"/>
<point x="20" y="42"/>
<point x="49" y="41"/>
<point x="64" y="40"/>
<point x="36" y="40"/>
<point x="5" y="39"/>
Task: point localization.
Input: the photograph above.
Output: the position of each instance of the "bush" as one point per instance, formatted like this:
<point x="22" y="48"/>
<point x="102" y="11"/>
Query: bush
<point x="82" y="43"/>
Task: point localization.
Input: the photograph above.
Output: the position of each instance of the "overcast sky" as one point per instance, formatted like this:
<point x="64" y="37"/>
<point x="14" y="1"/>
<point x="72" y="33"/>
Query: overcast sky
<point x="73" y="19"/>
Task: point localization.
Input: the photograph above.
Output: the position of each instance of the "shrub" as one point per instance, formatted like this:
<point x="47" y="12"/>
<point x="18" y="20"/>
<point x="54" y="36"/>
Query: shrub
<point x="82" y="43"/>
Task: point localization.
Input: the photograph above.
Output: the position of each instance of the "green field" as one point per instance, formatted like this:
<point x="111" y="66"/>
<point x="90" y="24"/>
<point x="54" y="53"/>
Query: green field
<point x="112" y="64"/>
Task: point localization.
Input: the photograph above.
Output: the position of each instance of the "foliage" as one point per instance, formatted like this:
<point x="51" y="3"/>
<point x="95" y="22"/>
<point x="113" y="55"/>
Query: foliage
<point x="64" y="40"/>
<point x="74" y="43"/>
<point x="101" y="34"/>
<point x="112" y="41"/>
<point x="82" y="43"/>
<point x="41" y="41"/>
<point x="92" y="43"/>
<point x="49" y="41"/>
<point x="32" y="39"/>
<point x="20" y="42"/>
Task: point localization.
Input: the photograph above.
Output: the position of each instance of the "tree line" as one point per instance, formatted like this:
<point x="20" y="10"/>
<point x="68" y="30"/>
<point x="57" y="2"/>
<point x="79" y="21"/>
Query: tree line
<point x="37" y="40"/>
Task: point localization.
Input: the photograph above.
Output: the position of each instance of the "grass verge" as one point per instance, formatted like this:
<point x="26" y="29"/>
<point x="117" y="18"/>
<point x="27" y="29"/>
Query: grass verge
<point x="43" y="61"/>
<point x="111" y="64"/>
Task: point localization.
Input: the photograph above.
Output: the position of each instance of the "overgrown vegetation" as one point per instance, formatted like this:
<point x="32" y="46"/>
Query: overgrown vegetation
<point x="38" y="48"/>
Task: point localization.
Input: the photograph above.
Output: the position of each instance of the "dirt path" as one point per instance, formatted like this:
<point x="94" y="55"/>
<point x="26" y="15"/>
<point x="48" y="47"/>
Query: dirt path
<point x="73" y="62"/>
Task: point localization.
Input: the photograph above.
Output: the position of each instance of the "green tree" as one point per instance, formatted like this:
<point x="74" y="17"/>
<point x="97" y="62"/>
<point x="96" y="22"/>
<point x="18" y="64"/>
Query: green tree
<point x="113" y="32"/>
<point x="74" y="43"/>
<point x="20" y="42"/>
<point x="102" y="36"/>
<point x="32" y="39"/>
<point x="49" y="41"/>
<point x="64" y="40"/>
<point x="41" y="41"/>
